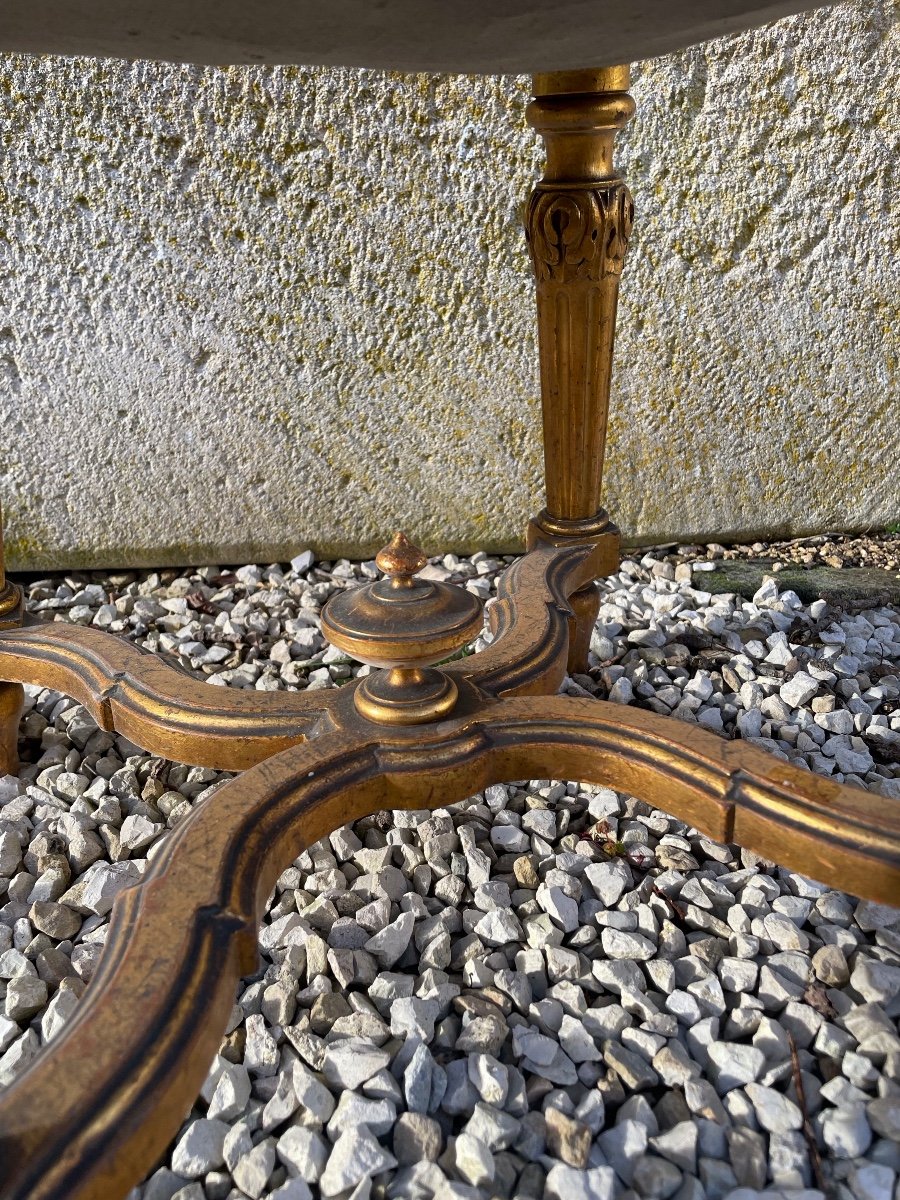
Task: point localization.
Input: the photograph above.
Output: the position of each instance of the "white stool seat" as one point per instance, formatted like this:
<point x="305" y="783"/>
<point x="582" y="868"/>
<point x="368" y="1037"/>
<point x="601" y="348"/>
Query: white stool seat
<point x="464" y="36"/>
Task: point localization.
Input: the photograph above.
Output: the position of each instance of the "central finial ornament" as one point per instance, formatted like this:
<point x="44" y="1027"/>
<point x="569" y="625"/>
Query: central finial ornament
<point x="403" y="625"/>
<point x="400" y="560"/>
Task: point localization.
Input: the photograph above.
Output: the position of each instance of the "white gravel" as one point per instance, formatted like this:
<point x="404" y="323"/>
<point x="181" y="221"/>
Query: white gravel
<point x="547" y="990"/>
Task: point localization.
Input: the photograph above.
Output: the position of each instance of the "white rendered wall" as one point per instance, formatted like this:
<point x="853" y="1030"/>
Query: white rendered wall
<point x="245" y="311"/>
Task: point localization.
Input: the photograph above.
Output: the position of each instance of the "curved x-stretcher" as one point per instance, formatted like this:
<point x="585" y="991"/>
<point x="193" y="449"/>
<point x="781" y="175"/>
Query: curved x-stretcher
<point x="101" y="1102"/>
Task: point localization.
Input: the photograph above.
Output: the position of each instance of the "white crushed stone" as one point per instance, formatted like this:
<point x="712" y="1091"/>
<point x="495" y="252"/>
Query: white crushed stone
<point x="548" y="990"/>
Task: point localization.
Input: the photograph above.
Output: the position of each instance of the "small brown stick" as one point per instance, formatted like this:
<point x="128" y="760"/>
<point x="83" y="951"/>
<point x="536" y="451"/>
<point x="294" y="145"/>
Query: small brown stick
<point x="678" y="913"/>
<point x="808" y="1133"/>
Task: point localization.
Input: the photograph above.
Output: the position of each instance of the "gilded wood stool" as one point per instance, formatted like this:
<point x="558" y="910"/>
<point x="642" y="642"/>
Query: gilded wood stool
<point x="97" y="1107"/>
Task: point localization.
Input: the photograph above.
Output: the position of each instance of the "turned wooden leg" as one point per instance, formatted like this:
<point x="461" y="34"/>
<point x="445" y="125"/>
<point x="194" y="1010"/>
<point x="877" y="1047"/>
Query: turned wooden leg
<point x="12" y="697"/>
<point x="11" y="694"/>
<point x="578" y="222"/>
<point x="585" y="604"/>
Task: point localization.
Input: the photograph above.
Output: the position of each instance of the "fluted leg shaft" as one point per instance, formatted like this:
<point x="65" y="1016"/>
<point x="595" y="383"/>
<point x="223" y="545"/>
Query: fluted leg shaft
<point x="578" y="223"/>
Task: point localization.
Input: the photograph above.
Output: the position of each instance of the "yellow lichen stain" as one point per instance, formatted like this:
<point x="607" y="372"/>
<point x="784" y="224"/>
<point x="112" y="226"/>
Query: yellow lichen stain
<point x="22" y="552"/>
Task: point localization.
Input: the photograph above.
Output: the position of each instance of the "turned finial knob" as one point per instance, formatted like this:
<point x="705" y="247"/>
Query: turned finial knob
<point x="403" y="625"/>
<point x="400" y="560"/>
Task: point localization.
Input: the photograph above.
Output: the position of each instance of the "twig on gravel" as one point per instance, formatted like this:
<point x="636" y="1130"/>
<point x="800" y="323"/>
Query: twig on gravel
<point x="808" y="1132"/>
<point x="679" y="916"/>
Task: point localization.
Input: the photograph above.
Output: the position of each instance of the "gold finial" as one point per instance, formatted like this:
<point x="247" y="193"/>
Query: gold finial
<point x="400" y="560"/>
<point x="404" y="626"/>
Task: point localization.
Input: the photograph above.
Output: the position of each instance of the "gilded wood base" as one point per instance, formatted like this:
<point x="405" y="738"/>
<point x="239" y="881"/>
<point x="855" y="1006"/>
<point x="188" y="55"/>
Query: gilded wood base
<point x="99" y="1105"/>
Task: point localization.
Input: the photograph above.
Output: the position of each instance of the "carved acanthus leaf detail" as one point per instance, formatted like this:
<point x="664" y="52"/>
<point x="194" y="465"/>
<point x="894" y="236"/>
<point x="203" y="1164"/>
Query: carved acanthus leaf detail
<point x="579" y="233"/>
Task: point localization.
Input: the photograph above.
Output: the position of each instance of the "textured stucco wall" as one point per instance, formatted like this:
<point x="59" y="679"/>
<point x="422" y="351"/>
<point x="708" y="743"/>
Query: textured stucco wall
<point x="243" y="311"/>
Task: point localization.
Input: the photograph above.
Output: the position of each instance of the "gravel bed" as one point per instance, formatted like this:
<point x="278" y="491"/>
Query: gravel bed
<point x="881" y="550"/>
<point x="549" y="989"/>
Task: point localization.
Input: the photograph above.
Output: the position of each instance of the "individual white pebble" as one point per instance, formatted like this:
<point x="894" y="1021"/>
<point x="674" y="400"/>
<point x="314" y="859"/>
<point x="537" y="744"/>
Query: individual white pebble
<point x="618" y="943"/>
<point x="499" y="927"/>
<point x="251" y="1172"/>
<point x="775" y="1112"/>
<point x="621" y="691"/>
<point x="570" y="1183"/>
<point x="846" y="1130"/>
<point x="799" y="689"/>
<point x="389" y="943"/>
<point x="200" y="1149"/>
<point x="18" y="1055"/>
<point x="872" y="1181"/>
<point x="734" y="1064"/>
<point x="560" y="906"/>
<point x="304" y="1152"/>
<point x="231" y="1094"/>
<point x="292" y="1189"/>
<point x="57" y="1013"/>
<point x="138" y="832"/>
<point x="261" y="1052"/>
<point x="348" y="1063"/>
<point x="474" y="1160"/>
<point x="356" y="1156"/>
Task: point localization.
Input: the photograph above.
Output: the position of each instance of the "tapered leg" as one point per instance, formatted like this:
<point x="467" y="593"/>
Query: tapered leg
<point x="578" y="222"/>
<point x="11" y="698"/>
<point x="11" y="694"/>
<point x="585" y="604"/>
